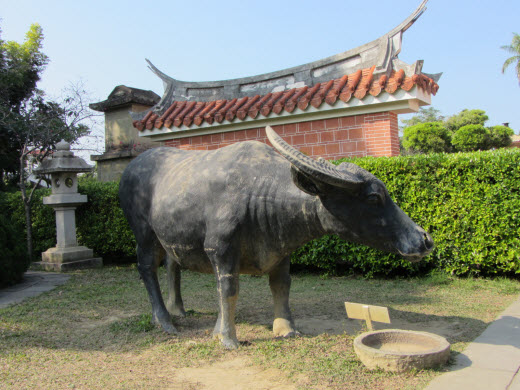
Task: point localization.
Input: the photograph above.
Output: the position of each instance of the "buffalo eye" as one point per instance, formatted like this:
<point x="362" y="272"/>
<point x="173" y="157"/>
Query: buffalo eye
<point x="374" y="198"/>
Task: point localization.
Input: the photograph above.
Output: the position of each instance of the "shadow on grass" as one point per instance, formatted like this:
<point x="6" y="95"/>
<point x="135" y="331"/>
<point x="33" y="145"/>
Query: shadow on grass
<point x="109" y="309"/>
<point x="137" y="331"/>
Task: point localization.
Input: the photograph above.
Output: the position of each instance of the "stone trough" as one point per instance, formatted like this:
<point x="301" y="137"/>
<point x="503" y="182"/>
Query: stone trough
<point x="401" y="350"/>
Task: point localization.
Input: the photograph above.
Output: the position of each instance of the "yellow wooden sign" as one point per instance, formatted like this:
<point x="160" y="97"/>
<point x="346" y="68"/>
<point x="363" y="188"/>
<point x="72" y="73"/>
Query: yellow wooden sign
<point x="368" y="313"/>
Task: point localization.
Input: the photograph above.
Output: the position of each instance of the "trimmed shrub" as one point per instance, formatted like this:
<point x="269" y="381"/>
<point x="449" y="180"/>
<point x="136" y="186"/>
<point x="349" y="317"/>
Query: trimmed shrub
<point x="466" y="117"/>
<point x="13" y="261"/>
<point x="43" y="220"/>
<point x="430" y="137"/>
<point x="471" y="137"/>
<point x="469" y="202"/>
<point x="500" y="136"/>
<point x="101" y="224"/>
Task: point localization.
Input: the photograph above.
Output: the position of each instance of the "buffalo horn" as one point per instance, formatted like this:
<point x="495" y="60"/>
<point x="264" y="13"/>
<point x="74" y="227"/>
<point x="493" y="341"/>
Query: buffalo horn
<point x="322" y="171"/>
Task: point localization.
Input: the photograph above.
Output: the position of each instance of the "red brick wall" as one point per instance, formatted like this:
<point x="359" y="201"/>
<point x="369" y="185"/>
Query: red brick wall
<point x="360" y="135"/>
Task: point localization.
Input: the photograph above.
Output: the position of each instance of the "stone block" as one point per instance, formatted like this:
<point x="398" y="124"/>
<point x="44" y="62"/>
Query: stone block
<point x="66" y="259"/>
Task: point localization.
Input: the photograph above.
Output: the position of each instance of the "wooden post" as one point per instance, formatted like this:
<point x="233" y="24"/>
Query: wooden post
<point x="368" y="313"/>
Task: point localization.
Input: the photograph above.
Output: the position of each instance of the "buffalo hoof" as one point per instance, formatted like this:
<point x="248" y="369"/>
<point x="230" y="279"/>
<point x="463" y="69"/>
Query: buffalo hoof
<point x="289" y="335"/>
<point x="176" y="311"/>
<point x="284" y="328"/>
<point x="166" y="325"/>
<point x="226" y="341"/>
<point x="229" y="343"/>
<point x="169" y="328"/>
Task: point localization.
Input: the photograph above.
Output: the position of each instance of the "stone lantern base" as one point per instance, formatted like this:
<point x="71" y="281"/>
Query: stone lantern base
<point x="67" y="259"/>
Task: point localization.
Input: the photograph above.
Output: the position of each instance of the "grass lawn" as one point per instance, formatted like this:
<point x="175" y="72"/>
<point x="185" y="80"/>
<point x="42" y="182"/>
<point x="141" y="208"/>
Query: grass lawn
<point x="94" y="333"/>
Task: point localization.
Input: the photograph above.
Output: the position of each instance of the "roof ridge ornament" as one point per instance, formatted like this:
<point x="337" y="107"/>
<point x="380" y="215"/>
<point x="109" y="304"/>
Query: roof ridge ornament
<point x="379" y="52"/>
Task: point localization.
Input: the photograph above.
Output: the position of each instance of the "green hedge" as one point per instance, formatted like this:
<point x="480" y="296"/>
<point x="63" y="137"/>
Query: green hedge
<point x="101" y="224"/>
<point x="43" y="222"/>
<point x="13" y="259"/>
<point x="469" y="202"/>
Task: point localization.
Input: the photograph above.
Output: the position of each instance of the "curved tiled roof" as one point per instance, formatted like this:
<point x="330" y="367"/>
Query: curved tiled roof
<point x="381" y="52"/>
<point x="357" y="84"/>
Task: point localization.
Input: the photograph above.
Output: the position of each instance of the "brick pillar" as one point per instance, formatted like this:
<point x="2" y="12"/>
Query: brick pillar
<point x="381" y="133"/>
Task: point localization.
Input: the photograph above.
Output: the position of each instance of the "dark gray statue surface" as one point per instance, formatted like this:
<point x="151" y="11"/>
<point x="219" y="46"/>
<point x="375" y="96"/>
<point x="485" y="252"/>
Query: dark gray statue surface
<point x="243" y="209"/>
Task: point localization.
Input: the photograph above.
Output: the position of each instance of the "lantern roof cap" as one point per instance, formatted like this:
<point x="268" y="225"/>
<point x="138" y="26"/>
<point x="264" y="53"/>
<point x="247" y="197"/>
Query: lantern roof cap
<point x="63" y="160"/>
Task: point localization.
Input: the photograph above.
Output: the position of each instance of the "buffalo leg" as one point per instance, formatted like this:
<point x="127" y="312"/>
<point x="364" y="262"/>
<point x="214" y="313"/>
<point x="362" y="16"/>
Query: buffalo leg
<point x="148" y="260"/>
<point x="280" y="284"/>
<point x="227" y="287"/>
<point x="174" y="304"/>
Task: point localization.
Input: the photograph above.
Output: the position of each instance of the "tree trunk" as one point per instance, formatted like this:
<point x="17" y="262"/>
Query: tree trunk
<point x="28" y="226"/>
<point x="27" y="208"/>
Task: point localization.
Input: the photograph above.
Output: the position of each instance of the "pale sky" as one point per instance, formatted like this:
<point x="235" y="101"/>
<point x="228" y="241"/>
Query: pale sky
<point x="105" y="43"/>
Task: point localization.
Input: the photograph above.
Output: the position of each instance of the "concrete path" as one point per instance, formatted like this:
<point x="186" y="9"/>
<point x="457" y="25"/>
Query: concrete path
<point x="34" y="283"/>
<point x="491" y="361"/>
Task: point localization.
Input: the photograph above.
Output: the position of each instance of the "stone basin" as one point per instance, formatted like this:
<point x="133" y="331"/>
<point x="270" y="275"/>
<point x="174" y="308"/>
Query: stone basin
<point x="401" y="350"/>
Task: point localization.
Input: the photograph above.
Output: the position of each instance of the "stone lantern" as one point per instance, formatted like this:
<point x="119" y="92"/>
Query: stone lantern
<point x="63" y="168"/>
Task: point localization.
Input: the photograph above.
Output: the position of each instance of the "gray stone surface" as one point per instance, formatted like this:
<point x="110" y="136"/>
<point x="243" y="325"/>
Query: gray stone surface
<point x="67" y="259"/>
<point x="491" y="361"/>
<point x="63" y="160"/>
<point x="243" y="209"/>
<point x="63" y="167"/>
<point x="407" y="350"/>
<point x="33" y="284"/>
<point x="61" y="254"/>
<point x="122" y="141"/>
<point x="124" y="96"/>
<point x="95" y="262"/>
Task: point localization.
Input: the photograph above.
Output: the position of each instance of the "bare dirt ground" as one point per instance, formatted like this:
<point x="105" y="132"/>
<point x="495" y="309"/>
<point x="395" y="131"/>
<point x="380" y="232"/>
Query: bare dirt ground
<point x="240" y="372"/>
<point x="236" y="374"/>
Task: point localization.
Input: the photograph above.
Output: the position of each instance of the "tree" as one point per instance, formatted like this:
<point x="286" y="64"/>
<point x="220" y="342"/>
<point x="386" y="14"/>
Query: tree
<point x="430" y="137"/>
<point x="31" y="125"/>
<point x="464" y="131"/>
<point x="513" y="48"/>
<point x="466" y="117"/>
<point x="20" y="69"/>
<point x="424" y="115"/>
<point x="500" y="136"/>
<point x="34" y="131"/>
<point x="471" y="137"/>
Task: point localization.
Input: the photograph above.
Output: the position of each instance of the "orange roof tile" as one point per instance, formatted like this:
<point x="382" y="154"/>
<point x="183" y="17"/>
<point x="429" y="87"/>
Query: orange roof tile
<point x="357" y="85"/>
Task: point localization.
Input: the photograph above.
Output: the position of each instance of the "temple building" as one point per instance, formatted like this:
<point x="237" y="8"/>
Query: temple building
<point x="340" y="106"/>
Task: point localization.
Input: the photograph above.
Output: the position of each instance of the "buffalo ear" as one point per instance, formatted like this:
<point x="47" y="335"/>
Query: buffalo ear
<point x="304" y="182"/>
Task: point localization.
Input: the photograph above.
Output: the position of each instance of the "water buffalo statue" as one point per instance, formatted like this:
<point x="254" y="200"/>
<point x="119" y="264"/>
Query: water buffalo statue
<point x="243" y="209"/>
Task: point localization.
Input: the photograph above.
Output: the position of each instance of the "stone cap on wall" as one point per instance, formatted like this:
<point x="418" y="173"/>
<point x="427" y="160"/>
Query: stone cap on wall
<point x="115" y="155"/>
<point x="123" y="96"/>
